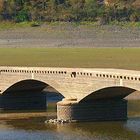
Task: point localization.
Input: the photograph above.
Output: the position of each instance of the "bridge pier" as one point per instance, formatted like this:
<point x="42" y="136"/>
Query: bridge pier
<point x="110" y="110"/>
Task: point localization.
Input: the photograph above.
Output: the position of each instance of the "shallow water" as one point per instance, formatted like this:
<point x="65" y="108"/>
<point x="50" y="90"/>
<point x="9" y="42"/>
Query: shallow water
<point x="31" y="126"/>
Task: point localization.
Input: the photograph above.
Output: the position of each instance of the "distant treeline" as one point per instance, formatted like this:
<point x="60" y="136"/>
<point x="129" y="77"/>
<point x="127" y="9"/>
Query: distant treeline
<point x="68" y="10"/>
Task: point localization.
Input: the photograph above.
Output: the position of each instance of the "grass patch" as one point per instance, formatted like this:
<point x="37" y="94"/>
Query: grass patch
<point x="12" y="25"/>
<point x="124" y="58"/>
<point x="6" y="25"/>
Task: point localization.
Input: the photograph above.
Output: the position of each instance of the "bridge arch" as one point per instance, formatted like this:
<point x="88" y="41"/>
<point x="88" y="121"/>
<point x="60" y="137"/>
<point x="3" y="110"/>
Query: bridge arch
<point x="107" y="93"/>
<point x="27" y="94"/>
<point x="28" y="84"/>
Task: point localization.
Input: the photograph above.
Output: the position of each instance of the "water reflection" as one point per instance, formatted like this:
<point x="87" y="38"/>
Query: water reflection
<point x="133" y="124"/>
<point x="33" y="127"/>
<point x="83" y="131"/>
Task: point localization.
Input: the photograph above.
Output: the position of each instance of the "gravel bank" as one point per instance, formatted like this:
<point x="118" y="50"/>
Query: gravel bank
<point x="70" y="36"/>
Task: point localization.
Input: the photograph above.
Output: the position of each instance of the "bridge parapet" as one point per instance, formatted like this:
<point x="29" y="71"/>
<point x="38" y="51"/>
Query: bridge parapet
<point x="77" y="72"/>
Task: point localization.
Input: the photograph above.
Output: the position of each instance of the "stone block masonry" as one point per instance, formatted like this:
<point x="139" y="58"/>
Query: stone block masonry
<point x="110" y="110"/>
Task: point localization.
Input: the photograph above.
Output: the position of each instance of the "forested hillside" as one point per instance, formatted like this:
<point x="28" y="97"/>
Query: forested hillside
<point x="102" y="11"/>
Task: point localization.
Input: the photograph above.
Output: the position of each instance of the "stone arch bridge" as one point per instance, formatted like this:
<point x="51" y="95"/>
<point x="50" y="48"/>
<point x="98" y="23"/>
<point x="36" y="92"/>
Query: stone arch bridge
<point x="86" y="88"/>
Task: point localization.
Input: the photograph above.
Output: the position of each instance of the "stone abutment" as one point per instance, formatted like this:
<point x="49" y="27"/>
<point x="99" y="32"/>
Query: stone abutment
<point x="109" y="110"/>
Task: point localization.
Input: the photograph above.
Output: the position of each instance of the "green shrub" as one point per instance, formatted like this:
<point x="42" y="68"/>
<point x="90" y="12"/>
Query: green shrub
<point x="22" y="16"/>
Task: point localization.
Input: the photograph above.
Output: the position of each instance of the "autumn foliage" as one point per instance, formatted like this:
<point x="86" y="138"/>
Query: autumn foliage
<point x="103" y="11"/>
